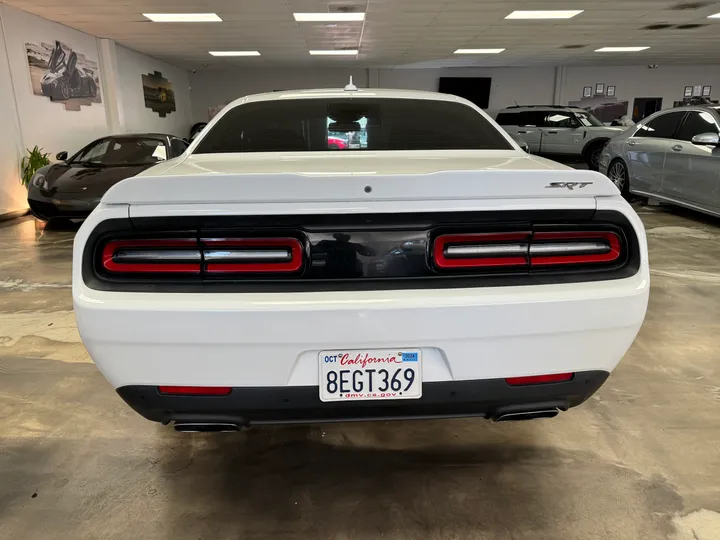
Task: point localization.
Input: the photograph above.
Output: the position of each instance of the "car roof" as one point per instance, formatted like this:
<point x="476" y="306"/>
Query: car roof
<point x="383" y="93"/>
<point x="141" y="135"/>
<point x="523" y="108"/>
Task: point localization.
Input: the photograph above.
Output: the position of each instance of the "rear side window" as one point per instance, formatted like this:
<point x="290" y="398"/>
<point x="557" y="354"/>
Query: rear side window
<point x="508" y="119"/>
<point x="534" y="118"/>
<point x="661" y="127"/>
<point x="697" y="123"/>
<point x="351" y="124"/>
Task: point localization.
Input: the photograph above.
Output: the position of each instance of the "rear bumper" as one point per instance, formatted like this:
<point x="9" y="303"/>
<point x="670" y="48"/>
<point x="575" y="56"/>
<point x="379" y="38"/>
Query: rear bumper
<point x="489" y="398"/>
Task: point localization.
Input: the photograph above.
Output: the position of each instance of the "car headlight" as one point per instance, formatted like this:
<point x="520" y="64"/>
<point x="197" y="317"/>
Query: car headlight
<point x="39" y="181"/>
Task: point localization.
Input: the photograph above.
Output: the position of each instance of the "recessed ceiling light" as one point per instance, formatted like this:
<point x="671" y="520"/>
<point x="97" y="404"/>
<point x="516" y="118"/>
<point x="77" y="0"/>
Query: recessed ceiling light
<point x="545" y="14"/>
<point x="182" y="17"/>
<point x="716" y="16"/>
<point x="329" y="17"/>
<point x="479" y="51"/>
<point x="235" y="53"/>
<point x="335" y="52"/>
<point x="621" y="49"/>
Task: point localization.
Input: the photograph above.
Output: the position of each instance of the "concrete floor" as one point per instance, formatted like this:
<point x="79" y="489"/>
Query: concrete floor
<point x="640" y="460"/>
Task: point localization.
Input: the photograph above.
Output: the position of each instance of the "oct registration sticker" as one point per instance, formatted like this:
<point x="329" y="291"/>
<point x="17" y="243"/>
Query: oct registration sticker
<point x="355" y="375"/>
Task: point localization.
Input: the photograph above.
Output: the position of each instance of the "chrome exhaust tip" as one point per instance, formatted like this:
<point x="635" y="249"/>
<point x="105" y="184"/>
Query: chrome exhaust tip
<point x="205" y="427"/>
<point x="526" y="415"/>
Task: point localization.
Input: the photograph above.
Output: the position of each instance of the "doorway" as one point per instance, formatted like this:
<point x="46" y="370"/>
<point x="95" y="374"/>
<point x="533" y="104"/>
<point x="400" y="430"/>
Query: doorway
<point x="645" y="106"/>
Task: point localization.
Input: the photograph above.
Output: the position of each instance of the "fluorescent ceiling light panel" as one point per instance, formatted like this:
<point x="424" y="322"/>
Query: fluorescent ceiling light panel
<point x="235" y="53"/>
<point x="335" y="52"/>
<point x="716" y="16"/>
<point x="182" y="17"/>
<point x="329" y="17"/>
<point x="479" y="51"/>
<point x="545" y="14"/>
<point x="621" y="49"/>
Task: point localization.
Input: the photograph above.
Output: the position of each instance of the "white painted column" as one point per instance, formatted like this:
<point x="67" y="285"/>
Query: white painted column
<point x="559" y="95"/>
<point x="110" y="82"/>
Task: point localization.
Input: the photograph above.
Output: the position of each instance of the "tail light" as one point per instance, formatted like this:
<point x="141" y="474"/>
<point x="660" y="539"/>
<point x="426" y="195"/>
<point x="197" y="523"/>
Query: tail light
<point x="203" y="256"/>
<point x="526" y="249"/>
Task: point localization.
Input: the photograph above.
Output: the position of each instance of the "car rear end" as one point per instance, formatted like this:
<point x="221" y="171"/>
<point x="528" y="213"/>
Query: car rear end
<point x="348" y="290"/>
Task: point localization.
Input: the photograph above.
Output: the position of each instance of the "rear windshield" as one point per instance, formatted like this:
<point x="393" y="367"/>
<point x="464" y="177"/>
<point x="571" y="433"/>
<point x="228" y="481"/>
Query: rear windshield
<point x="353" y="124"/>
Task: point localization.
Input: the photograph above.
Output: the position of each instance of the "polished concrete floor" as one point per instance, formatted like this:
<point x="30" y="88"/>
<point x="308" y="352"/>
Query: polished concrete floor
<point x="639" y="460"/>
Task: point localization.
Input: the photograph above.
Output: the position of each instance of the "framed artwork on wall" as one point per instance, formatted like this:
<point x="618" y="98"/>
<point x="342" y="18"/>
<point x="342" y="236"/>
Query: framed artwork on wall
<point x="158" y="93"/>
<point x="63" y="74"/>
<point x="610" y="91"/>
<point x="688" y="91"/>
<point x="587" y="91"/>
<point x="600" y="89"/>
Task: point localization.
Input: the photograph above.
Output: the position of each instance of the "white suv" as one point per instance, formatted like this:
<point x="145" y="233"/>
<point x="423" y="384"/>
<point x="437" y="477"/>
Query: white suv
<point x="553" y="130"/>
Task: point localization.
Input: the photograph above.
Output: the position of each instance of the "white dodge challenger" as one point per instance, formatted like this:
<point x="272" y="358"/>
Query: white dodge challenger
<point x="332" y="255"/>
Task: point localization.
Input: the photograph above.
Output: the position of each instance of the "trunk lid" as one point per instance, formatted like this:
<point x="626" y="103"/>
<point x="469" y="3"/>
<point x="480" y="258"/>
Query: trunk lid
<point x="367" y="177"/>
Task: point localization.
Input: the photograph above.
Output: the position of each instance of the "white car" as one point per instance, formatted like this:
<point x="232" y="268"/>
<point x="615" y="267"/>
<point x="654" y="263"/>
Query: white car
<point x="437" y="271"/>
<point x="557" y="131"/>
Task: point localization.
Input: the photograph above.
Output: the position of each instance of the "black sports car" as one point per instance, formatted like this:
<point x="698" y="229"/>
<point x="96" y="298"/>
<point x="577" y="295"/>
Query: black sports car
<point x="73" y="187"/>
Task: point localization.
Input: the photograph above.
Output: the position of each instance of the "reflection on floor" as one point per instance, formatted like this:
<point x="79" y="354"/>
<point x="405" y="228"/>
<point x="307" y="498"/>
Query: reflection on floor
<point x="640" y="460"/>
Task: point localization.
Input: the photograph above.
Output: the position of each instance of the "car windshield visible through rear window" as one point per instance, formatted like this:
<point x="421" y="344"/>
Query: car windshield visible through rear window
<point x="351" y="124"/>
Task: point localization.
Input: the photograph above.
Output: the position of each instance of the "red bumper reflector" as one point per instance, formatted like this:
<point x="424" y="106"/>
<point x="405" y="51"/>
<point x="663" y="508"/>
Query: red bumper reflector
<point x="539" y="379"/>
<point x="195" y="390"/>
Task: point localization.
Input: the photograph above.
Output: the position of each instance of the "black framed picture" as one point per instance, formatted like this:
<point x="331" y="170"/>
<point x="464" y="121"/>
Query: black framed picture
<point x="688" y="91"/>
<point x="610" y="91"/>
<point x="706" y="91"/>
<point x="600" y="89"/>
<point x="587" y="91"/>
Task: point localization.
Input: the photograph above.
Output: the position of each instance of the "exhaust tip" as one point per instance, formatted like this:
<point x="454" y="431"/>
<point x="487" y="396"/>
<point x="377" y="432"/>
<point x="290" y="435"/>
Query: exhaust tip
<point x="526" y="415"/>
<point x="204" y="427"/>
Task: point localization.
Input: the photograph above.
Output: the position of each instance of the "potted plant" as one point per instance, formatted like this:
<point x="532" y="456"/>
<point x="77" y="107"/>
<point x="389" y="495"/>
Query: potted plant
<point x="30" y="164"/>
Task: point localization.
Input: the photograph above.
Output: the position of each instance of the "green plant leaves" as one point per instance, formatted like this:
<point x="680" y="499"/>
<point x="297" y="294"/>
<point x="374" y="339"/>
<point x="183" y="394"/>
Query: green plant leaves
<point x="34" y="160"/>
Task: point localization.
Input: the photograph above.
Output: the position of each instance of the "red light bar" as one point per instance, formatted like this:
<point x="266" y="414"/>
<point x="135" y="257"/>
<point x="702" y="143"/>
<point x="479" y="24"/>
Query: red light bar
<point x="153" y="254"/>
<point x="565" y="239"/>
<point x="195" y="390"/>
<point x="289" y="261"/>
<point x="539" y="379"/>
<point x="496" y="250"/>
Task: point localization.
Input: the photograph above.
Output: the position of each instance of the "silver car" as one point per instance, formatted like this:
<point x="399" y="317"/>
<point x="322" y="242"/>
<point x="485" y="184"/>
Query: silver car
<point x="673" y="156"/>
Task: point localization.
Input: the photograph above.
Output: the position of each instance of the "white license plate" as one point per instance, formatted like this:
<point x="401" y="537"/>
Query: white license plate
<point x="356" y="375"/>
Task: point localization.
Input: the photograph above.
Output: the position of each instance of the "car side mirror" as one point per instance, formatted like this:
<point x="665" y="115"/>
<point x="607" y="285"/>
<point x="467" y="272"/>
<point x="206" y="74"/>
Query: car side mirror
<point x="523" y="145"/>
<point x="706" y="139"/>
<point x="61" y="156"/>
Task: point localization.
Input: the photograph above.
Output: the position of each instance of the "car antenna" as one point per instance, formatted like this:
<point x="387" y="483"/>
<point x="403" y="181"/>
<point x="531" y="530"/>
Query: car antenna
<point x="351" y="87"/>
<point x="516" y="103"/>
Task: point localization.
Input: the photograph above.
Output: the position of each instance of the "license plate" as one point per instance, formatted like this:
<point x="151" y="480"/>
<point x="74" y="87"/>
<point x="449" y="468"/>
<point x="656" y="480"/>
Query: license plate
<point x="356" y="375"/>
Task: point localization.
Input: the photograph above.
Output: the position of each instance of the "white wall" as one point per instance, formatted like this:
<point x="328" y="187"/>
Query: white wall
<point x="212" y="88"/>
<point x="136" y="117"/>
<point x="667" y="82"/>
<point x="12" y="194"/>
<point x="42" y="121"/>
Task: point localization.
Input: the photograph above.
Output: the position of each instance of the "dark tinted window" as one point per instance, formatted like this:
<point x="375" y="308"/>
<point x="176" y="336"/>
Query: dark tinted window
<point x="697" y="123"/>
<point x="534" y="118"/>
<point x="178" y="146"/>
<point x="508" y="119"/>
<point x="661" y="127"/>
<point x="351" y="124"/>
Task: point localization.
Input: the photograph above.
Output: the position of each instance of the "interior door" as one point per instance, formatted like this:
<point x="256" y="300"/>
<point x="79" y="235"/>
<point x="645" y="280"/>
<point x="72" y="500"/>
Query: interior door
<point x="692" y="172"/>
<point x="646" y="150"/>
<point x="561" y="133"/>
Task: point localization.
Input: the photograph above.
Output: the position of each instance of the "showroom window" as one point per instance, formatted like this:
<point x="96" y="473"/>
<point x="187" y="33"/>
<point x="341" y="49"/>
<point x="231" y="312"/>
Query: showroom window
<point x="354" y="124"/>
<point x="697" y="123"/>
<point x="661" y="127"/>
